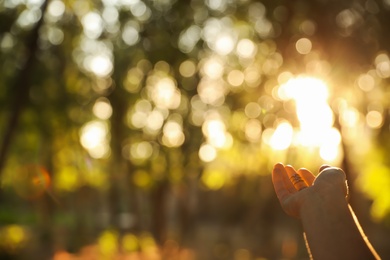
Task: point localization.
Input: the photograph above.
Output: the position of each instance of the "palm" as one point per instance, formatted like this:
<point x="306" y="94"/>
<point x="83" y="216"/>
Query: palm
<point x="291" y="197"/>
<point x="287" y="193"/>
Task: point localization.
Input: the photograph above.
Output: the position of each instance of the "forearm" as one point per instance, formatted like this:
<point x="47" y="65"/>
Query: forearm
<point x="338" y="236"/>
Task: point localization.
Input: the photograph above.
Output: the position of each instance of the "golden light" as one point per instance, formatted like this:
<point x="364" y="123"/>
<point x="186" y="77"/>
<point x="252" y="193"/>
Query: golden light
<point x="189" y="38"/>
<point x="92" y="25"/>
<point x="216" y="134"/>
<point x="108" y="243"/>
<point x="366" y="82"/>
<point x="314" y="114"/>
<point x="374" y="119"/>
<point x="349" y="117"/>
<point x="246" y="48"/>
<point x="253" y="130"/>
<point x="329" y="152"/>
<point x="67" y="179"/>
<point x="224" y="44"/>
<point x="330" y="148"/>
<point x="282" y="137"/>
<point x="212" y="91"/>
<point x="235" y="78"/>
<point x="187" y="68"/>
<point x="308" y="27"/>
<point x="102" y="108"/>
<point x="154" y="121"/>
<point x="13" y="237"/>
<point x="130" y="34"/>
<point x="142" y="178"/>
<point x="94" y="137"/>
<point x="100" y="64"/>
<point x="382" y="62"/>
<point x="56" y="8"/>
<point x="165" y="93"/>
<point x="142" y="150"/>
<point x="252" y="110"/>
<point x="130" y="242"/>
<point x="303" y="46"/>
<point x="252" y="76"/>
<point x="214" y="179"/>
<point x="347" y="18"/>
<point x="173" y="134"/>
<point x="207" y="153"/>
<point x="132" y="82"/>
<point x="213" y="67"/>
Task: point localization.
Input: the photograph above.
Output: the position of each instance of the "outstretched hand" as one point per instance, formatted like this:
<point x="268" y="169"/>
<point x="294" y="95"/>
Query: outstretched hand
<point x="294" y="187"/>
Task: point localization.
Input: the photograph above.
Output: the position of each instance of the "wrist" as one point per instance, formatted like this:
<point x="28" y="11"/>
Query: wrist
<point x="322" y="200"/>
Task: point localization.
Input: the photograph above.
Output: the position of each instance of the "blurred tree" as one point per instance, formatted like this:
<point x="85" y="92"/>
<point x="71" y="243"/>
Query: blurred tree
<point x="164" y="116"/>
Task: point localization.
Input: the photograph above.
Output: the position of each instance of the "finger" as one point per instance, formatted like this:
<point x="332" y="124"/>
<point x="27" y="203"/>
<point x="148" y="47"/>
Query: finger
<point x="278" y="174"/>
<point x="307" y="176"/>
<point x="323" y="167"/>
<point x="294" y="178"/>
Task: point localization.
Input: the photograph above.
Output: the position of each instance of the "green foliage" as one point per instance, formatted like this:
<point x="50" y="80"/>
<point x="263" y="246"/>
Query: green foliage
<point x="142" y="110"/>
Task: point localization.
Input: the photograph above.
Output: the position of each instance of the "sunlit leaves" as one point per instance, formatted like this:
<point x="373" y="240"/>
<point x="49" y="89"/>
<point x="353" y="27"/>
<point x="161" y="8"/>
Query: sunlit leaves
<point x="94" y="56"/>
<point x="375" y="180"/>
<point x="282" y="136"/>
<point x="67" y="178"/>
<point x="108" y="243"/>
<point x="163" y="92"/>
<point x="144" y="93"/>
<point x="13" y="238"/>
<point x="130" y="33"/>
<point x="92" y="25"/>
<point x="189" y="38"/>
<point x="55" y="10"/>
<point x="382" y="63"/>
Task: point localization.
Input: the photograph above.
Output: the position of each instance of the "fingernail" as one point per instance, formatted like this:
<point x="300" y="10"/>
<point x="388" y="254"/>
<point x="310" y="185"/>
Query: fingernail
<point x="278" y="166"/>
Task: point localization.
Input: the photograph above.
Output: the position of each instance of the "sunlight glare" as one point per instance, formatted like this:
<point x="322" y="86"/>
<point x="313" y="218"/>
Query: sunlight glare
<point x="314" y="114"/>
<point x="366" y="82"/>
<point x="224" y="44"/>
<point x="102" y="108"/>
<point x="187" y="68"/>
<point x="349" y="117"/>
<point x="56" y="8"/>
<point x="130" y="34"/>
<point x="282" y="137"/>
<point x="253" y="130"/>
<point x="154" y="120"/>
<point x="246" y="48"/>
<point x="92" y="24"/>
<point x="142" y="150"/>
<point x="212" y="91"/>
<point x="235" y="78"/>
<point x="215" y="131"/>
<point x="303" y="46"/>
<point x="94" y="137"/>
<point x="173" y="134"/>
<point x="165" y="93"/>
<point x="100" y="64"/>
<point x="374" y="119"/>
<point x="213" y="68"/>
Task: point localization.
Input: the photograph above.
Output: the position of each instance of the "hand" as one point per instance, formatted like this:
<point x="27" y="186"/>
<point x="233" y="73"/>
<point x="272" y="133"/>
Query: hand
<point x="294" y="188"/>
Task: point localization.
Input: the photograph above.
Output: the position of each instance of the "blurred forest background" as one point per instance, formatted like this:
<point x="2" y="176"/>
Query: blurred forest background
<point x="147" y="129"/>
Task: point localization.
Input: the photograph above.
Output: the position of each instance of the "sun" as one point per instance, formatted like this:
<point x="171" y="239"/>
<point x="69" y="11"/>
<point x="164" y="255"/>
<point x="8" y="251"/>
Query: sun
<point x="315" y="115"/>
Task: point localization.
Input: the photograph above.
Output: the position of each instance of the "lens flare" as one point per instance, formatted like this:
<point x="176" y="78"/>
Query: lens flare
<point x="314" y="114"/>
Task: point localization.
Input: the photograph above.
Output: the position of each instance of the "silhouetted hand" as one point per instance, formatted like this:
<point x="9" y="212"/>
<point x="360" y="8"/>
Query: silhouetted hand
<point x="293" y="188"/>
